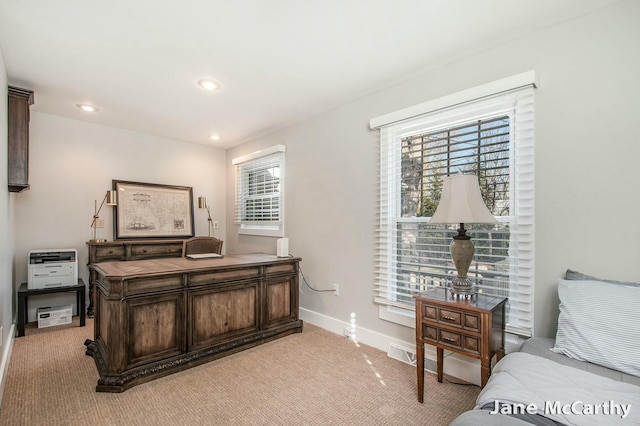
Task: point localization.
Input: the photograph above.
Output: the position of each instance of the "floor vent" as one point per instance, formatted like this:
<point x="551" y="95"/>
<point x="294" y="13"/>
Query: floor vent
<point x="402" y="353"/>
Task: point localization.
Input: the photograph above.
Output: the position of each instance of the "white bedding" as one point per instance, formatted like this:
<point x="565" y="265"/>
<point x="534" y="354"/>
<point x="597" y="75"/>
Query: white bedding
<point x="561" y="393"/>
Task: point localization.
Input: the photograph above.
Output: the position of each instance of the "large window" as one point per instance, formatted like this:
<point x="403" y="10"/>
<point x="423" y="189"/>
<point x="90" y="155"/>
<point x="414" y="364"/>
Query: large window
<point x="491" y="138"/>
<point x="260" y="192"/>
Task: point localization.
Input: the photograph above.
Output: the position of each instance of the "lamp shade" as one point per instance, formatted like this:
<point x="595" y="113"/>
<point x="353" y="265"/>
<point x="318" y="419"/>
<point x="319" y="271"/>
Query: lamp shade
<point x="461" y="202"/>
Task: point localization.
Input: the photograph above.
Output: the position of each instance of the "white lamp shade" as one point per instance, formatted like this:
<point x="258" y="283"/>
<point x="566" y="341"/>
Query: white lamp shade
<point x="461" y="202"/>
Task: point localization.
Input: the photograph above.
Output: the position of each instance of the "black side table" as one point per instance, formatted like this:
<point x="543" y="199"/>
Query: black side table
<point x="24" y="293"/>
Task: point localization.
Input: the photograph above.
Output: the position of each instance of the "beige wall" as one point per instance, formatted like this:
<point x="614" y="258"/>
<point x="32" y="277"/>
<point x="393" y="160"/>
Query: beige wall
<point x="72" y="164"/>
<point x="6" y="236"/>
<point x="586" y="172"/>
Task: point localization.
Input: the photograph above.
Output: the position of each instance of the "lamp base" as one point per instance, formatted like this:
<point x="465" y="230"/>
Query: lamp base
<point x="462" y="287"/>
<point x="99" y="240"/>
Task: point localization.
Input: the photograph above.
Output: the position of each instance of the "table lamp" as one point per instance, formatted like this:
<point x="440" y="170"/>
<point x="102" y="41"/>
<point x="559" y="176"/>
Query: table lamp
<point x="461" y="202"/>
<point x="111" y="200"/>
<point x="202" y="204"/>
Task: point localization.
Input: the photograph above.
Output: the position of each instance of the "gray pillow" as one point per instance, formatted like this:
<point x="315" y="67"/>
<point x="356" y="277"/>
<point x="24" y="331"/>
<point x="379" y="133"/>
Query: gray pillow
<point x="598" y="323"/>
<point x="579" y="276"/>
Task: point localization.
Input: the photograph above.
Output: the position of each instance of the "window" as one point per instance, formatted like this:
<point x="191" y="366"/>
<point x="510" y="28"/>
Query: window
<point x="260" y="192"/>
<point x="491" y="137"/>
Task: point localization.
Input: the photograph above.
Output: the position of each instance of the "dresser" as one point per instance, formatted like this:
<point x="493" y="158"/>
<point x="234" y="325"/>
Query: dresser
<point x="160" y="316"/>
<point x="127" y="250"/>
<point x="473" y="327"/>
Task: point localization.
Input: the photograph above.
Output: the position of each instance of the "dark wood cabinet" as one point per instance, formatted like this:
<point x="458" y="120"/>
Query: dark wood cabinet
<point x="19" y="102"/>
<point x="157" y="317"/>
<point x="127" y="250"/>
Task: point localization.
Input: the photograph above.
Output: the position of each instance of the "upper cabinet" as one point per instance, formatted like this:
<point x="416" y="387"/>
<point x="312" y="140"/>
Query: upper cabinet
<point x="18" y="144"/>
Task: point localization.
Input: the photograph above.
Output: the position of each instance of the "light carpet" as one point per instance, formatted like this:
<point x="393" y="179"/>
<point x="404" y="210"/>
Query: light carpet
<point x="310" y="378"/>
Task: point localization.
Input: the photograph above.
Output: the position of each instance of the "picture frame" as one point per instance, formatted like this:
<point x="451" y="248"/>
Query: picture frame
<point x="151" y="210"/>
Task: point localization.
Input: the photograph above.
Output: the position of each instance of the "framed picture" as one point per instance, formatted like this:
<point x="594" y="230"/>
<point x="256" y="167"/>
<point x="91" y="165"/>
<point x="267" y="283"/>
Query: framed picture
<point x="149" y="210"/>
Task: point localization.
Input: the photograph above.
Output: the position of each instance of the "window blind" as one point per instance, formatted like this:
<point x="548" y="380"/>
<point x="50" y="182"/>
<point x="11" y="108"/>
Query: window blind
<point x="491" y="138"/>
<point x="259" y="191"/>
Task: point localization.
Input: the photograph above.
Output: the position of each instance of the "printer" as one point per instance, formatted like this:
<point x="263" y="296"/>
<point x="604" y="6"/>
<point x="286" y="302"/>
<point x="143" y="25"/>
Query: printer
<point x="52" y="268"/>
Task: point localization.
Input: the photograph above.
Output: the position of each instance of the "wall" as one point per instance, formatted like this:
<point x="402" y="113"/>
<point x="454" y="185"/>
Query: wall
<point x="586" y="170"/>
<point x="72" y="164"/>
<point x="6" y="241"/>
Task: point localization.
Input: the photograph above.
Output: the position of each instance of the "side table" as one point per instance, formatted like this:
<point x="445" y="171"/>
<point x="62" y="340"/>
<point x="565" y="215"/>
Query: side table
<point x="24" y="293"/>
<point x="473" y="327"/>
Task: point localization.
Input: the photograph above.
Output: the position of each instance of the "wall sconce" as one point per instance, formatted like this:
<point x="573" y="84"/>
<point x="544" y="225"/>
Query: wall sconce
<point x="111" y="199"/>
<point x="202" y="204"/>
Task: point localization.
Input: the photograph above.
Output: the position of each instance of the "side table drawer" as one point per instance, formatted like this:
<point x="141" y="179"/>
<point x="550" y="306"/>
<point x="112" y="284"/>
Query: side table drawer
<point x="459" y="341"/>
<point x="467" y="320"/>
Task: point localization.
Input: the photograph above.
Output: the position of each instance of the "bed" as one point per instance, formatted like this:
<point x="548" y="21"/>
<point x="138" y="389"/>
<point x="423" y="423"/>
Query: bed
<point x="588" y="375"/>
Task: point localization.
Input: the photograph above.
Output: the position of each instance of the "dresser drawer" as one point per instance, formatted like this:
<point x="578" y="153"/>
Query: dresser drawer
<point x="144" y="251"/>
<point x="110" y="253"/>
<point x="453" y="317"/>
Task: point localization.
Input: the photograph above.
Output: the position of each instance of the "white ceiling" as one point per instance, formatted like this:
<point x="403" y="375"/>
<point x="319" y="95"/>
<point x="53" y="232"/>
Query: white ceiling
<point x="279" y="61"/>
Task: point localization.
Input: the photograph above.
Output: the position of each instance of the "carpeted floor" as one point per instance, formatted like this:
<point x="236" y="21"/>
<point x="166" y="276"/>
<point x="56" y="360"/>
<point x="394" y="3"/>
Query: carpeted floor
<point x="310" y="378"/>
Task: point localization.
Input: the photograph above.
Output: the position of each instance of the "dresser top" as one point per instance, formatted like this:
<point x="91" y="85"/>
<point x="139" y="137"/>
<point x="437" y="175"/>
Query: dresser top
<point x="137" y="268"/>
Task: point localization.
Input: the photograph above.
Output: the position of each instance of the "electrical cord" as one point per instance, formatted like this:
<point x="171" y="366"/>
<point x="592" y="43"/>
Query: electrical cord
<point x="304" y="280"/>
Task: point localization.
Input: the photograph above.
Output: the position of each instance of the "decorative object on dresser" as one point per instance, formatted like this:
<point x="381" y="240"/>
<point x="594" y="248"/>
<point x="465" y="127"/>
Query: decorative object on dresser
<point x="18" y="138"/>
<point x="128" y="250"/>
<point x="151" y="210"/>
<point x="470" y="326"/>
<point x="202" y="204"/>
<point x="461" y="202"/>
<point x="111" y="199"/>
<point x="161" y="316"/>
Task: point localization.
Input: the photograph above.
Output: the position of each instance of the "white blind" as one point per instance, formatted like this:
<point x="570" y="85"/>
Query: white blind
<point x="259" y="190"/>
<point x="492" y="138"/>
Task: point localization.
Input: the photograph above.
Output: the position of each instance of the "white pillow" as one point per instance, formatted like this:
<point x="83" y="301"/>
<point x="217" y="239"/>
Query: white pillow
<point x="599" y="322"/>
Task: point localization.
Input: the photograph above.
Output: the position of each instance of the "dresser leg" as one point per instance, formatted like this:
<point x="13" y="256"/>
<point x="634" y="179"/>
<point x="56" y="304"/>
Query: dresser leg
<point x="439" y="352"/>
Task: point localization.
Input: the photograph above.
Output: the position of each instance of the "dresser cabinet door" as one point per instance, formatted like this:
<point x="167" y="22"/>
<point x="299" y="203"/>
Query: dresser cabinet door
<point x="155" y="328"/>
<point x="223" y="312"/>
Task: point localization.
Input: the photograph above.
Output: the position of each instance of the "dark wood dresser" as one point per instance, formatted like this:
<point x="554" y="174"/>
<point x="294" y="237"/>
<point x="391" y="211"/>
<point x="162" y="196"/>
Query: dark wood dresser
<point x="160" y="316"/>
<point x="127" y="250"/>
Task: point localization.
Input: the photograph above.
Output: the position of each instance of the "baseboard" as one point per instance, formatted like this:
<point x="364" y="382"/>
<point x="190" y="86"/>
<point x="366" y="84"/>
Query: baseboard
<point x="6" y="357"/>
<point x="462" y="367"/>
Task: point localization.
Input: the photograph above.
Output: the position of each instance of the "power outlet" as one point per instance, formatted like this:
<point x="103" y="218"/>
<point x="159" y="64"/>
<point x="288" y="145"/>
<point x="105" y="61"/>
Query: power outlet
<point x="99" y="223"/>
<point x="215" y="224"/>
<point x="336" y="289"/>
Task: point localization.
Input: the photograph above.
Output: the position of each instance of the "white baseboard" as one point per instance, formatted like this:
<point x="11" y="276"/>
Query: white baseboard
<point x="462" y="367"/>
<point x="6" y="357"/>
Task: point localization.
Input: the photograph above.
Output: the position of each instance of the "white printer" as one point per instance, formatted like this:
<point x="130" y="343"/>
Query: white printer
<point x="52" y="268"/>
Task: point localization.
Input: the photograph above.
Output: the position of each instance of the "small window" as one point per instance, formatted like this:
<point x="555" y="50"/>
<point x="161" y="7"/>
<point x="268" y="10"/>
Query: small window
<point x="260" y="192"/>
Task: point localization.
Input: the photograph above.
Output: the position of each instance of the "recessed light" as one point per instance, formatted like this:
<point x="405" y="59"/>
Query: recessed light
<point x="214" y="137"/>
<point x="209" y="84"/>
<point x="87" y="107"/>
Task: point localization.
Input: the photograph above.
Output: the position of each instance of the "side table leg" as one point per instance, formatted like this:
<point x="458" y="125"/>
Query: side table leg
<point x="22" y="313"/>
<point x="81" y="297"/>
<point x="440" y="352"/>
<point x="485" y="371"/>
<point x="420" y="370"/>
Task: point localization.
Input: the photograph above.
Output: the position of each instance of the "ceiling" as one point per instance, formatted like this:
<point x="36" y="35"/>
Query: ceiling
<point x="278" y="61"/>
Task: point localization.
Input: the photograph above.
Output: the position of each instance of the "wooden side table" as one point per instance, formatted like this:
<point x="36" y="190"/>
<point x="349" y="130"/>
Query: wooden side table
<point x="472" y="327"/>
